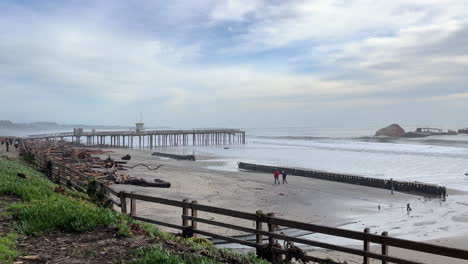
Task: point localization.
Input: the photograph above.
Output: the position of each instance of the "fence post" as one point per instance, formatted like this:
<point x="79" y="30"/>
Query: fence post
<point x="366" y="245"/>
<point x="184" y="213"/>
<point x="391" y="186"/>
<point x="132" y="206"/>
<point x="194" y="214"/>
<point x="258" y="226"/>
<point x="271" y="229"/>
<point x="384" y="247"/>
<point x="59" y="175"/>
<point x="123" y="202"/>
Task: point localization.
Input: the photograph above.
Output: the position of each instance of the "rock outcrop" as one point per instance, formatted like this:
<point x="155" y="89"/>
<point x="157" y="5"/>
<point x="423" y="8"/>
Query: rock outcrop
<point x="392" y="130"/>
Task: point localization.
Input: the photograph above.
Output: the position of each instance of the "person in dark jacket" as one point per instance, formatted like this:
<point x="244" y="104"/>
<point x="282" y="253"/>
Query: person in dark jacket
<point x="284" y="174"/>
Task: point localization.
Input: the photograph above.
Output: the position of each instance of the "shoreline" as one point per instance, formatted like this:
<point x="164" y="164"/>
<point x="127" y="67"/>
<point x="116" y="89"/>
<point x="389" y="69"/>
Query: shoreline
<point x="303" y="199"/>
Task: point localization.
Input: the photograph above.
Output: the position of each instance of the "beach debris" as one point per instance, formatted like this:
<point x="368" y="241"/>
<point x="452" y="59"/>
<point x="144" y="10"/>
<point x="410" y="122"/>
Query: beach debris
<point x="125" y="179"/>
<point x="174" y="156"/>
<point x="79" y="159"/>
<point x="126" y="157"/>
<point x="84" y="155"/>
<point x="141" y="164"/>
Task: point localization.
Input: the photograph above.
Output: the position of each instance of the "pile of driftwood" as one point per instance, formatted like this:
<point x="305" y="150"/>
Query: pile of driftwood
<point x="82" y="160"/>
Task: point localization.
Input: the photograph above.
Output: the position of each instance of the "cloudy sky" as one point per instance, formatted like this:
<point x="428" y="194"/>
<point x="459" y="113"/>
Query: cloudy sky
<point x="238" y="63"/>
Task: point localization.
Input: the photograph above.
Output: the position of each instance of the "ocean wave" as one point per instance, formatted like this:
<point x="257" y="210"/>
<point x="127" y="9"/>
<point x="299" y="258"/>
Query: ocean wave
<point x="463" y="142"/>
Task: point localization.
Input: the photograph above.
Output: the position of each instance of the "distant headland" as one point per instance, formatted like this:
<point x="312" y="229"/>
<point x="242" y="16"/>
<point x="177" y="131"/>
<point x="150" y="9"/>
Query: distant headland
<point x="395" y="130"/>
<point x="7" y="124"/>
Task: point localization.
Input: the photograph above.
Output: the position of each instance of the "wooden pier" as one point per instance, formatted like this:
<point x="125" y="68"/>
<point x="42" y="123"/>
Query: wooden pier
<point x="151" y="138"/>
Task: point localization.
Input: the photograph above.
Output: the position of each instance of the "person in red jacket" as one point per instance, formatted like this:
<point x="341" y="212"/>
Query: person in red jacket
<point x="276" y="174"/>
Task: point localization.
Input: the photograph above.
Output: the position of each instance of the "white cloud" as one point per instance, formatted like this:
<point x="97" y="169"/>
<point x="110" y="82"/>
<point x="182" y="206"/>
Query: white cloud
<point x="234" y="10"/>
<point x="381" y="40"/>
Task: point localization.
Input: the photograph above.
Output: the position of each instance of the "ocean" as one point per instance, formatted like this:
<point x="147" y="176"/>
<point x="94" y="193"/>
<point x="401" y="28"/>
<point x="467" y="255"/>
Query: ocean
<point x="437" y="159"/>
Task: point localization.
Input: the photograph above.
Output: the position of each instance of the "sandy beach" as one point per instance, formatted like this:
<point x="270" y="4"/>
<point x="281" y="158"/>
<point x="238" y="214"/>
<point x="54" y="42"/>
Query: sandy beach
<point x="303" y="199"/>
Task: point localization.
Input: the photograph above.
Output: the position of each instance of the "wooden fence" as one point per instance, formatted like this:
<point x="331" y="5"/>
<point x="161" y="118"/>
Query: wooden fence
<point x="402" y="186"/>
<point x="190" y="217"/>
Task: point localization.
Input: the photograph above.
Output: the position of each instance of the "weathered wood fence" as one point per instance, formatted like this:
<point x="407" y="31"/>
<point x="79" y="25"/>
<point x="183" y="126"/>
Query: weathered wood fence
<point x="401" y="186"/>
<point x="191" y="216"/>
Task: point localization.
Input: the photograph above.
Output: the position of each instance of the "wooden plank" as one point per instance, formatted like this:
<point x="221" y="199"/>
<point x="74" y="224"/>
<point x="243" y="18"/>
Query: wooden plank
<point x="384" y="248"/>
<point x="317" y="228"/>
<point x="123" y="202"/>
<point x="200" y="207"/>
<point x="110" y="190"/>
<point x="156" y="200"/>
<point x="226" y="238"/>
<point x="221" y="224"/>
<point x="366" y="245"/>
<point x="115" y="203"/>
<point x="223" y="211"/>
<point x="156" y="222"/>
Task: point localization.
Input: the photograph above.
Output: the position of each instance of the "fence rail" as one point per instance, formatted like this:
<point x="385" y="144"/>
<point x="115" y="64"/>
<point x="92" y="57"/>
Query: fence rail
<point x="190" y="219"/>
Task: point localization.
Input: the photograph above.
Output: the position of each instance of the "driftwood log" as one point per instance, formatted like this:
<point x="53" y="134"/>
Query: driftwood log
<point x="144" y="183"/>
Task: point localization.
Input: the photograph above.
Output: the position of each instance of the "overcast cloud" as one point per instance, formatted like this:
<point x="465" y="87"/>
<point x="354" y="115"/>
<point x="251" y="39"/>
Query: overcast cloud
<point x="235" y="63"/>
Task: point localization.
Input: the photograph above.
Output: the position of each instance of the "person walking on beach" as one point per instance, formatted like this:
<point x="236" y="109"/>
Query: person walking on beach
<point x="284" y="174"/>
<point x="276" y="175"/>
<point x="408" y="208"/>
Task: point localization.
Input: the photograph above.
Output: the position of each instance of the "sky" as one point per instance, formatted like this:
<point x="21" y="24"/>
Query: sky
<point x="244" y="63"/>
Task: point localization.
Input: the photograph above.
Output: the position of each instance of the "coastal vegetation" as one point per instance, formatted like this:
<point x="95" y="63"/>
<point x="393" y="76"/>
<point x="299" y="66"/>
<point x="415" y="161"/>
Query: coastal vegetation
<point x="32" y="207"/>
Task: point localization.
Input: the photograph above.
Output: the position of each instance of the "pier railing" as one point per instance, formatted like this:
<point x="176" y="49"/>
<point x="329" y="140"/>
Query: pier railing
<point x="267" y="230"/>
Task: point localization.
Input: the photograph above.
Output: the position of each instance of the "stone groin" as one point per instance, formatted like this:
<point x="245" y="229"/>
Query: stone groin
<point x="389" y="184"/>
<point x="174" y="156"/>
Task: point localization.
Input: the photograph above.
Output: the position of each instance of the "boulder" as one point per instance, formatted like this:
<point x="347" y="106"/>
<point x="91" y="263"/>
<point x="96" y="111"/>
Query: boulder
<point x="392" y="130"/>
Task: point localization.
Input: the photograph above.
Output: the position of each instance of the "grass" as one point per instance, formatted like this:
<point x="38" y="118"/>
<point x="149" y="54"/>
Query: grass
<point x="44" y="210"/>
<point x="157" y="254"/>
<point x="36" y="188"/>
<point x="8" y="250"/>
